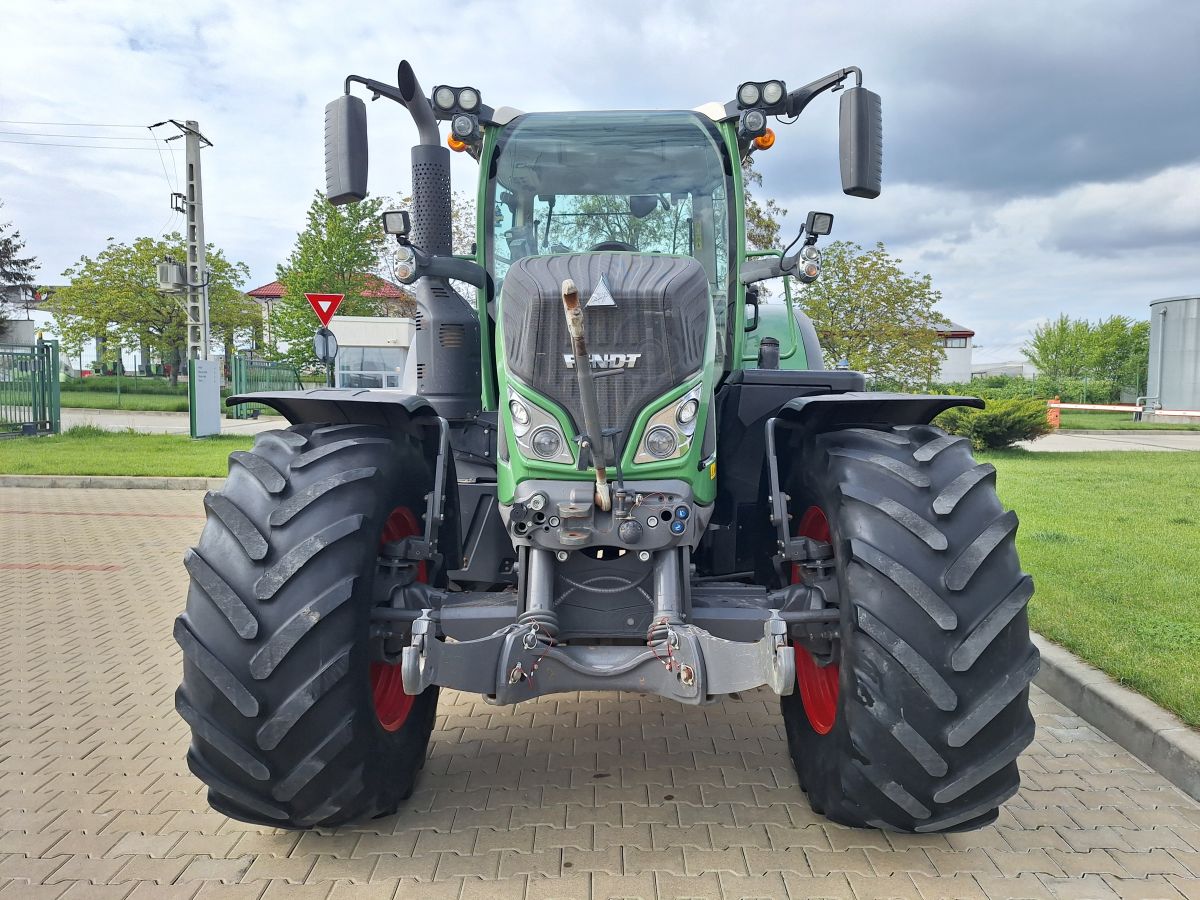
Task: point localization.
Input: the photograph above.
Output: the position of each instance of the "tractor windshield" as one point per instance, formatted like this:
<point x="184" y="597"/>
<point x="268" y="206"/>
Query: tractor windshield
<point x="654" y="182"/>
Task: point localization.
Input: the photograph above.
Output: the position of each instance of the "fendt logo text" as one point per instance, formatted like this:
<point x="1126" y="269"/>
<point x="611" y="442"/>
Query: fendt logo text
<point x="606" y="360"/>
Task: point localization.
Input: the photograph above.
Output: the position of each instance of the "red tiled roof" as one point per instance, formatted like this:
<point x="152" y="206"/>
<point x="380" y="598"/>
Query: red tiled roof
<point x="376" y="288"/>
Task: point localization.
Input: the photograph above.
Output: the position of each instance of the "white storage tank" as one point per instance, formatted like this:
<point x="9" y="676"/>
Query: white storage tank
<point x="1173" y="382"/>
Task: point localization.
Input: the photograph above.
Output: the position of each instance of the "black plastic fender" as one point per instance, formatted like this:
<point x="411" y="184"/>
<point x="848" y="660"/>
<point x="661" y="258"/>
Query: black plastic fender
<point x="828" y="412"/>
<point x="338" y="406"/>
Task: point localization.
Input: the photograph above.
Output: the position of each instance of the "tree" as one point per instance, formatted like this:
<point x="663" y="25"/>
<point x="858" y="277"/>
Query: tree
<point x="117" y="291"/>
<point x="16" y="271"/>
<point x="1113" y="353"/>
<point x="868" y="312"/>
<point x="762" y="219"/>
<point x="1059" y="348"/>
<point x="338" y="249"/>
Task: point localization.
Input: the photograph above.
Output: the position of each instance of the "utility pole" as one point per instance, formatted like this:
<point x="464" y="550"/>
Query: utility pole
<point x="197" y="271"/>
<point x="203" y="379"/>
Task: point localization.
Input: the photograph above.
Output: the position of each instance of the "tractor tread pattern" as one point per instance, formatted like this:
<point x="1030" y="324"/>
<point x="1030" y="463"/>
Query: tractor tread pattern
<point x="901" y="469"/>
<point x="239" y="525"/>
<point x="295" y="559"/>
<point x="268" y="476"/>
<point x="302" y="500"/>
<point x="952" y="493"/>
<point x="919" y="668"/>
<point x="900" y="514"/>
<point x="991" y="625"/>
<point x="218" y="591"/>
<point x="215" y="670"/>
<point x="934" y="709"/>
<point x="275" y="729"/>
<point x="281" y="734"/>
<point x="309" y="457"/>
<point x="963" y="569"/>
<point x="917" y="590"/>
<point x="301" y="622"/>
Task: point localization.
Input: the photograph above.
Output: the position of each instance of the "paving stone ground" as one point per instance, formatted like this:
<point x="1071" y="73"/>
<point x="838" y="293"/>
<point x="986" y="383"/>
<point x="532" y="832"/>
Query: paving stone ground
<point x="581" y="795"/>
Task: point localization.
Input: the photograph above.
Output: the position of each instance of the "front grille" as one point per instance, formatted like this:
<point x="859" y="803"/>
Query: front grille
<point x="662" y="313"/>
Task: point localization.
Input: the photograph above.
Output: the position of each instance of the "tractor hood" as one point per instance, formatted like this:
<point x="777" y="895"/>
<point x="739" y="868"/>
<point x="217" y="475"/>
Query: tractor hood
<point x="647" y="318"/>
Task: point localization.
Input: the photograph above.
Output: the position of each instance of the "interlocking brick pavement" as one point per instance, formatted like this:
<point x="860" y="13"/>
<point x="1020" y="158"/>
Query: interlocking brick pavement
<point x="580" y="795"/>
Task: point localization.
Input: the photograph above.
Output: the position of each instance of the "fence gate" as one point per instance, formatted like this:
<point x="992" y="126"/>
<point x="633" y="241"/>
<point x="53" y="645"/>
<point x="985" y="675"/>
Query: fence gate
<point x="29" y="400"/>
<point x="251" y="375"/>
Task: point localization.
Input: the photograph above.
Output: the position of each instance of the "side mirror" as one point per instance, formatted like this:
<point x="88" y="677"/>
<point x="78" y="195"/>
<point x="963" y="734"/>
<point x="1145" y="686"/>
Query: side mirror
<point x="345" y="150"/>
<point x="751" y="305"/>
<point x="861" y="138"/>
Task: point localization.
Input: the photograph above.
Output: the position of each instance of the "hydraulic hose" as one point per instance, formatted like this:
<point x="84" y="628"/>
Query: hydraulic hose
<point x="587" y="391"/>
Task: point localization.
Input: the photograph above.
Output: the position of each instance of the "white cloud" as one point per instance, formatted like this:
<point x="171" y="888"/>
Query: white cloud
<point x="965" y="93"/>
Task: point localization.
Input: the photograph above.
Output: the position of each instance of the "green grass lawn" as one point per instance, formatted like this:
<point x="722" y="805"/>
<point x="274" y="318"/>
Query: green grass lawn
<point x="140" y="402"/>
<point x="1113" y="543"/>
<point x="1117" y="421"/>
<point x="86" y="450"/>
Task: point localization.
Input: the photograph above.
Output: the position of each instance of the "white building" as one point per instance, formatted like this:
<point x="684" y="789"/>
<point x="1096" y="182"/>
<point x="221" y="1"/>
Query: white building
<point x="372" y="350"/>
<point x="956" y="368"/>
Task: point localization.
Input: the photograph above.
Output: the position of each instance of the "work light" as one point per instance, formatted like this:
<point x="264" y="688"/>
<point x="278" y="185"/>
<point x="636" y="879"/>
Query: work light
<point x="749" y="94"/>
<point x="443" y="98"/>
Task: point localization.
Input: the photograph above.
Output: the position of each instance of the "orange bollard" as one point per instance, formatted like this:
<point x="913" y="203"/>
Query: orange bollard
<point x="1053" y="413"/>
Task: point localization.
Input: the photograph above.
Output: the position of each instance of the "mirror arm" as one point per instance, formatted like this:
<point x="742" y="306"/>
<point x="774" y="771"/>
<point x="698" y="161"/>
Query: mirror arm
<point x="426" y="125"/>
<point x="802" y="96"/>
<point x="754" y="270"/>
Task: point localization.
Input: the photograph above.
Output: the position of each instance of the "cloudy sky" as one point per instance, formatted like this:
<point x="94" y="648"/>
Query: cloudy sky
<point x="1038" y="157"/>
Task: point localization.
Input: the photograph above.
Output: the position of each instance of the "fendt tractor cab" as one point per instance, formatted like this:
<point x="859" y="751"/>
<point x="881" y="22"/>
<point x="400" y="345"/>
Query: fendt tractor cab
<point x="608" y="470"/>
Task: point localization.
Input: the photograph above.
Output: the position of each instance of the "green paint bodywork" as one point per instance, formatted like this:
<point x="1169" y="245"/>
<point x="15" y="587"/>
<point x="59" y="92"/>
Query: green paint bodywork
<point x="513" y="468"/>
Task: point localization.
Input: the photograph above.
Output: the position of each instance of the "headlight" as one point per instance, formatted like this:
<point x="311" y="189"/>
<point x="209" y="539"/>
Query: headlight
<point x="661" y="442"/>
<point x="538" y="434"/>
<point x="686" y="413"/>
<point x="670" y="431"/>
<point x="463" y="126"/>
<point x="772" y="92"/>
<point x="519" y="412"/>
<point x="546" y="442"/>
<point x="443" y="98"/>
<point x="748" y="94"/>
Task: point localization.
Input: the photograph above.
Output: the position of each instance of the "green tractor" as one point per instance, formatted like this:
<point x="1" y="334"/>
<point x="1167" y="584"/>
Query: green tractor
<point x="607" y="472"/>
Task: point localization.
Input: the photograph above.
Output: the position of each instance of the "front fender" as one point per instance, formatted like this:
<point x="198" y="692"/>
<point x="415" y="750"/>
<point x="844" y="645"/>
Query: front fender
<point x="828" y="412"/>
<point x="393" y="410"/>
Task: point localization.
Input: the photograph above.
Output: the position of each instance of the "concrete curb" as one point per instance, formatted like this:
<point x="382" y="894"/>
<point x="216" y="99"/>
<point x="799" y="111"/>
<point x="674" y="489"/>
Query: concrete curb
<point x="1127" y="432"/>
<point x="118" y="482"/>
<point x="1158" y="738"/>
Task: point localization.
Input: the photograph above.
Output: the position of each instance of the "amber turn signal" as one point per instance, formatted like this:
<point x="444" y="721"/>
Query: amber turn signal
<point x="459" y="146"/>
<point x="766" y="140"/>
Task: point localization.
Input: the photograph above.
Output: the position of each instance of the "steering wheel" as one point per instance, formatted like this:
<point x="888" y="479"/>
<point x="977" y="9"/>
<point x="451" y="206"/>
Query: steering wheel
<point x="613" y="245"/>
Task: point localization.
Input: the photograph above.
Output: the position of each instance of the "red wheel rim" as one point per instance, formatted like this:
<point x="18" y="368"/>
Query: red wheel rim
<point x="818" y="685"/>
<point x="392" y="705"/>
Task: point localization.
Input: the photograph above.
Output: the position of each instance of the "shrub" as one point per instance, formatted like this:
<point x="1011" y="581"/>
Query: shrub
<point x="1001" y="424"/>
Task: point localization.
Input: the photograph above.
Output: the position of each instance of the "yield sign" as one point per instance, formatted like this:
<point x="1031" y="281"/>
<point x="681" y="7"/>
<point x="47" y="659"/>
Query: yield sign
<point x="324" y="305"/>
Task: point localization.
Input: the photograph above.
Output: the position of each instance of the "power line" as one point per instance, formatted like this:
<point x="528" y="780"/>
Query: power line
<point x="85" y="146"/>
<point x="86" y="137"/>
<point x="68" y="124"/>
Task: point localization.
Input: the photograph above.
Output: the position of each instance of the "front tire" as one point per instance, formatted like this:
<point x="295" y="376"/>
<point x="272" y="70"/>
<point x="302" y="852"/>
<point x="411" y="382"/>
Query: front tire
<point x="930" y="707"/>
<point x="288" y="728"/>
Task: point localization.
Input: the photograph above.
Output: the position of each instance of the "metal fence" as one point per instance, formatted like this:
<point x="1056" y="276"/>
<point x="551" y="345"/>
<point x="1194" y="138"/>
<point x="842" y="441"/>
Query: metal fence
<point x="250" y="375"/>
<point x="29" y="400"/>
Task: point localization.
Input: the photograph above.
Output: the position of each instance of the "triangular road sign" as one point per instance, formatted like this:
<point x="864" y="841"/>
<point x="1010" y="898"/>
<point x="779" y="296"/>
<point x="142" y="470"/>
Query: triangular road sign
<point x="324" y="305"/>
